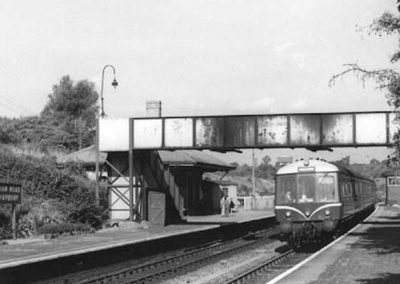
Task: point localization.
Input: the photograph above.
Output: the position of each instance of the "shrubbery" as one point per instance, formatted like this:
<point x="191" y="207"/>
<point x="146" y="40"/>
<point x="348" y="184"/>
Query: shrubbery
<point x="5" y="224"/>
<point x="64" y="228"/>
<point x="50" y="194"/>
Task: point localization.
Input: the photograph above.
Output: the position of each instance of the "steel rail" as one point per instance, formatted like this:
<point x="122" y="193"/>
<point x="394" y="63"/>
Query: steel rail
<point x="151" y="271"/>
<point x="248" y="275"/>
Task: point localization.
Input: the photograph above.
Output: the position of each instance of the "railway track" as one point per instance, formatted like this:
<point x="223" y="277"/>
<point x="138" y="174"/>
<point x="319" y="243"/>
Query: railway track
<point x="154" y="272"/>
<point x="270" y="268"/>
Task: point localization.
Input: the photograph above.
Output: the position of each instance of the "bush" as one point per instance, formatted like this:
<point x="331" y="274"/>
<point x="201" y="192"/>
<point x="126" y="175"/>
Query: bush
<point x="51" y="194"/>
<point x="5" y="223"/>
<point x="5" y="232"/>
<point x="64" y="228"/>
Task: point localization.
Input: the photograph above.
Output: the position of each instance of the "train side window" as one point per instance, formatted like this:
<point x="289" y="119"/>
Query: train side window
<point x="346" y="189"/>
<point x="325" y="188"/>
<point x="357" y="190"/>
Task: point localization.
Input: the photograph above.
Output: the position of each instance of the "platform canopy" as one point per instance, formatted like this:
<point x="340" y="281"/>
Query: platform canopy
<point x="314" y="131"/>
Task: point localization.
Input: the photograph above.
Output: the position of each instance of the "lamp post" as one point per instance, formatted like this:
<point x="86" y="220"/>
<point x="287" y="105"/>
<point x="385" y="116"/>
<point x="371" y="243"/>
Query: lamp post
<point x="114" y="84"/>
<point x="102" y="114"/>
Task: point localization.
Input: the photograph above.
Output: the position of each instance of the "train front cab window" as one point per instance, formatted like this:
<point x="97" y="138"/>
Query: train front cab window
<point x="286" y="189"/>
<point x="306" y="186"/>
<point x="302" y="188"/>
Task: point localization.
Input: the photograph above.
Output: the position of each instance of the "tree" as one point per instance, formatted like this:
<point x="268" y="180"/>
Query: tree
<point x="266" y="160"/>
<point x="344" y="162"/>
<point x="72" y="108"/>
<point x="389" y="79"/>
<point x="374" y="162"/>
<point x="265" y="170"/>
<point x="234" y="164"/>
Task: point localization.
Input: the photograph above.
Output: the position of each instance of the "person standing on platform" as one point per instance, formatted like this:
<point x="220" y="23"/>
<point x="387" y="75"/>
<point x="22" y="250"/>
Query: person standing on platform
<point x="225" y="203"/>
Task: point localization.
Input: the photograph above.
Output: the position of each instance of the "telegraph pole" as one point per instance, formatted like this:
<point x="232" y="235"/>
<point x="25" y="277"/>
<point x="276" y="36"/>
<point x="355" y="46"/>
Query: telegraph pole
<point x="253" y="182"/>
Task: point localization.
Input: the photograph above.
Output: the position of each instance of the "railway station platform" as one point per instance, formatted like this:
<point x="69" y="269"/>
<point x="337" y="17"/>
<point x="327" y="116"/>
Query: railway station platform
<point x="66" y="253"/>
<point x="368" y="254"/>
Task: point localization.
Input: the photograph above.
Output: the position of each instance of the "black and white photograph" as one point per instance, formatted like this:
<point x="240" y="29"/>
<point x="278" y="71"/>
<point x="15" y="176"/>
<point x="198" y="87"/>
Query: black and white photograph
<point x="200" y="141"/>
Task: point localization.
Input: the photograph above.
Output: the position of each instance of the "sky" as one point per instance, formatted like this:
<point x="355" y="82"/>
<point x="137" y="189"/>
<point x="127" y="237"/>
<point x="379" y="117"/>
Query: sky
<point x="199" y="57"/>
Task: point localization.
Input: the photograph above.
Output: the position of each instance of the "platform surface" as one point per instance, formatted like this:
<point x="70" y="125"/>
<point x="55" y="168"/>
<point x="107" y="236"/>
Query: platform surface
<point x="27" y="251"/>
<point x="369" y="254"/>
<point x="237" y="217"/>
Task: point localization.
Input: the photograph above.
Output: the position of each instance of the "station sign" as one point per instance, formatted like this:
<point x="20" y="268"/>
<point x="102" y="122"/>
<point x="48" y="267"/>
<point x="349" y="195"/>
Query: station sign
<point x="10" y="193"/>
<point x="393" y="181"/>
<point x="305" y="130"/>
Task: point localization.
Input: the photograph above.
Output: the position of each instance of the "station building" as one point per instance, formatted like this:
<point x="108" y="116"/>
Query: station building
<point x="169" y="184"/>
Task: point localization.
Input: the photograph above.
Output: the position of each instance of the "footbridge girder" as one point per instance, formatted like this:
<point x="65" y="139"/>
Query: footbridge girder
<point x="221" y="133"/>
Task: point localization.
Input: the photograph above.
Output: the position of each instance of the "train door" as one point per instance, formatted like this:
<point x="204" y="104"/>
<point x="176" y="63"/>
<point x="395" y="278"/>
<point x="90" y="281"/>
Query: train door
<point x="356" y="194"/>
<point x="347" y="196"/>
<point x="362" y="194"/>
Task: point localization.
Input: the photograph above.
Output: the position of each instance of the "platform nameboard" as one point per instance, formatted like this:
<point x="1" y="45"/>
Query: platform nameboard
<point x="10" y="193"/>
<point x="312" y="130"/>
<point x="393" y="181"/>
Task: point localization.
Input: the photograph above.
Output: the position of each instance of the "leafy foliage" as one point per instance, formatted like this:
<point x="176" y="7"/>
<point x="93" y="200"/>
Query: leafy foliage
<point x="64" y="228"/>
<point x="264" y="177"/>
<point x="264" y="170"/>
<point x="373" y="170"/>
<point x="71" y="101"/>
<point x="51" y="194"/>
<point x="389" y="79"/>
<point x="67" y="121"/>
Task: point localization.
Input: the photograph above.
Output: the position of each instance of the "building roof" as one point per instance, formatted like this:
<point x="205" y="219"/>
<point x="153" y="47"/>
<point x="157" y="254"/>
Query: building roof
<point x="220" y="182"/>
<point x="194" y="158"/>
<point x="179" y="158"/>
<point x="86" y="156"/>
<point x="391" y="173"/>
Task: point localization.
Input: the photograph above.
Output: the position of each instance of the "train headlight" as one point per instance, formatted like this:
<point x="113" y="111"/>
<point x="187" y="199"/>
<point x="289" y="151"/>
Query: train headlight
<point x="288" y="214"/>
<point x="327" y="212"/>
<point x="308" y="213"/>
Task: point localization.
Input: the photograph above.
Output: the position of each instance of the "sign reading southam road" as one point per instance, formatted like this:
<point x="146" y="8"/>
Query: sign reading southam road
<point x="10" y="193"/>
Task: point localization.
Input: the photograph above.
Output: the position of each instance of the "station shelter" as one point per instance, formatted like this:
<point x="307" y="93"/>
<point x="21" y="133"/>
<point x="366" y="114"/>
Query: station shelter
<point x="177" y="189"/>
<point x="169" y="184"/>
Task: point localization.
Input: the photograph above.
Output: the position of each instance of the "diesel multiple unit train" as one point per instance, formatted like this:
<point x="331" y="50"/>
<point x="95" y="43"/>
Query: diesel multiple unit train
<point x="315" y="199"/>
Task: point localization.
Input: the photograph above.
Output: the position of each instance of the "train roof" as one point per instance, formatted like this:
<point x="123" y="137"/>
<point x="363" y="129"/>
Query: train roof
<point x="316" y="166"/>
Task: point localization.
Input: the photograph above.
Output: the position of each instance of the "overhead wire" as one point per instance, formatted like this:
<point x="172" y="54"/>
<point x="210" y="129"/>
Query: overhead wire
<point x="18" y="103"/>
<point x="18" y="107"/>
<point x="10" y="108"/>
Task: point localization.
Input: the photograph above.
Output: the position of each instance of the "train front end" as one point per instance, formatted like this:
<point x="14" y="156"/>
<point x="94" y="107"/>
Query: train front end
<point x="307" y="203"/>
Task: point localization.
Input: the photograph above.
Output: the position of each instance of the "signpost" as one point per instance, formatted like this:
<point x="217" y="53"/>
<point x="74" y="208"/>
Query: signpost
<point x="11" y="193"/>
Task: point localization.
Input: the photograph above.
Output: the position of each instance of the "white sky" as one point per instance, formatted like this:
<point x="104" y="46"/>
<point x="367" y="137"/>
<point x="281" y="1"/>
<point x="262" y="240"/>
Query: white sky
<point x="199" y="57"/>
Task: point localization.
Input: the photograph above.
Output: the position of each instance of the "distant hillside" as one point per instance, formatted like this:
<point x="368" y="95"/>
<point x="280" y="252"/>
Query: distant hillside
<point x="263" y="186"/>
<point x="265" y="174"/>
